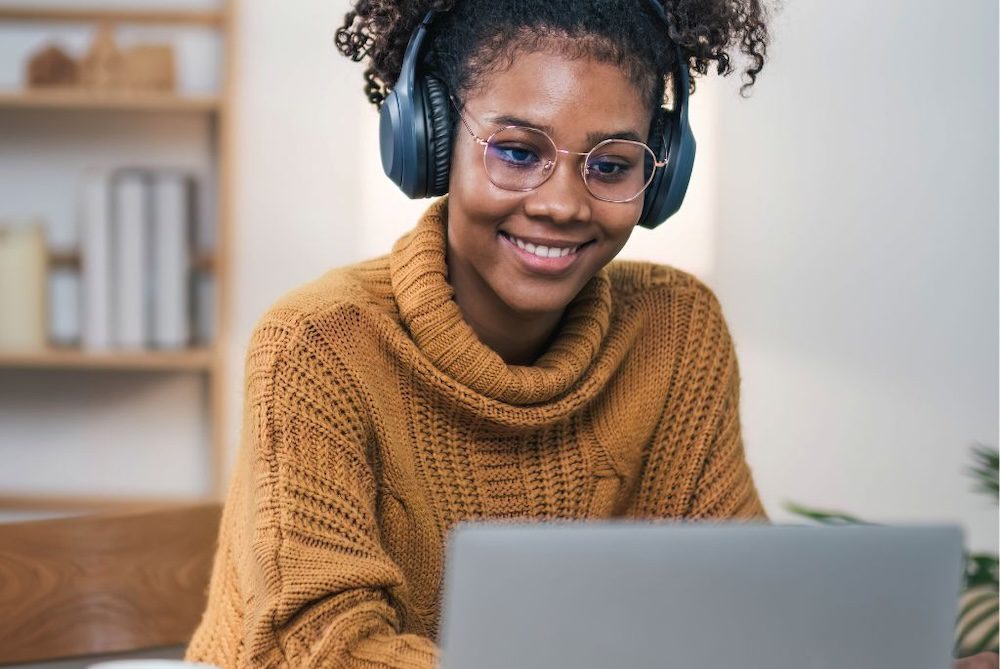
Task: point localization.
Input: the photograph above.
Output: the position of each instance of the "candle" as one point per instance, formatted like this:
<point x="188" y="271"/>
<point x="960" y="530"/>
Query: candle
<point x="23" y="264"/>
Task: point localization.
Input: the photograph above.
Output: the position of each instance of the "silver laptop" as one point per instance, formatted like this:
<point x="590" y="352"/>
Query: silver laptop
<point x="600" y="596"/>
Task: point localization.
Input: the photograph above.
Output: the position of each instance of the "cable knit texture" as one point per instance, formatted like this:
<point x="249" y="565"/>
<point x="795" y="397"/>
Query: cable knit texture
<point x="375" y="419"/>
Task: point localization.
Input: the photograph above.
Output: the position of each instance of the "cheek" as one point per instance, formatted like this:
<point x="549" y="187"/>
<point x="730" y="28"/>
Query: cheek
<point x="467" y="174"/>
<point x="469" y="188"/>
<point x="617" y="221"/>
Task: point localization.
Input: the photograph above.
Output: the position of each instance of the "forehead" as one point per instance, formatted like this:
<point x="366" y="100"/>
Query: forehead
<point x="573" y="96"/>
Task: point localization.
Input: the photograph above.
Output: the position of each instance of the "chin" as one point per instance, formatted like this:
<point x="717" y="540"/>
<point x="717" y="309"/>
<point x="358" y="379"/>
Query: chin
<point x="529" y="302"/>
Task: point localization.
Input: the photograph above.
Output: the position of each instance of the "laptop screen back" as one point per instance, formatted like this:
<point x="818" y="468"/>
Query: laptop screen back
<point x="594" y="596"/>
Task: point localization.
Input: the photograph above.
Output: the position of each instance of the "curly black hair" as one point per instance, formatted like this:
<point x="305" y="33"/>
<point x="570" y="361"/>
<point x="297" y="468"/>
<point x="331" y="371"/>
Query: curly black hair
<point x="474" y="37"/>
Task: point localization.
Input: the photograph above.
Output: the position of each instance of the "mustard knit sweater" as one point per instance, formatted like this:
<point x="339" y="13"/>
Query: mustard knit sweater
<point x="375" y="420"/>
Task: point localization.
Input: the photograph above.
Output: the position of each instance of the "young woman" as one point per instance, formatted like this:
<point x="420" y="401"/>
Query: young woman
<point x="496" y="364"/>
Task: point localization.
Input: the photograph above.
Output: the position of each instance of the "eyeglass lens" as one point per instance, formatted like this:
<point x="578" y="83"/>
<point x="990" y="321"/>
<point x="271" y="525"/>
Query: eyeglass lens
<point x="521" y="159"/>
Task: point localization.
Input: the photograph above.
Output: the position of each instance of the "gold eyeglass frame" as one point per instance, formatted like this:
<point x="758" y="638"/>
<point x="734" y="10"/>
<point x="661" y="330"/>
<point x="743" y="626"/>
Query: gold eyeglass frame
<point x="549" y="167"/>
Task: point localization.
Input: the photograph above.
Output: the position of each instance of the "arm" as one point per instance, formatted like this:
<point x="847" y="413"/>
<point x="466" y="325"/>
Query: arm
<point x="696" y="467"/>
<point x="725" y="488"/>
<point x="308" y="581"/>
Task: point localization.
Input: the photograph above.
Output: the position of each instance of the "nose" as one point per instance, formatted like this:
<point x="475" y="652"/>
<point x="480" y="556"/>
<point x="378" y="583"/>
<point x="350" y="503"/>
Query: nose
<point x="563" y="197"/>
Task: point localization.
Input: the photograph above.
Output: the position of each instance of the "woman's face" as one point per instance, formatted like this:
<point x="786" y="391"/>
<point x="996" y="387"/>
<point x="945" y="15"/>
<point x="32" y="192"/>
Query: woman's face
<point x="577" y="102"/>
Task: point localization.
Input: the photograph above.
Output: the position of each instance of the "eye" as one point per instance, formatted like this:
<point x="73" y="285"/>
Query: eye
<point x="515" y="155"/>
<point x="607" y="168"/>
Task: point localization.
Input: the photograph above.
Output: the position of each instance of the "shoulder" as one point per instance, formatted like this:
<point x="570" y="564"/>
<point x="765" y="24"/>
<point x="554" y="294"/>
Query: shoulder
<point x="330" y="308"/>
<point x="633" y="280"/>
<point x="673" y="307"/>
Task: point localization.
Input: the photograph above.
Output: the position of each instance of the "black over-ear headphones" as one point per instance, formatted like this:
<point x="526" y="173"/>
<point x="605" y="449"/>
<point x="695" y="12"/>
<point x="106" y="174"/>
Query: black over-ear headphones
<point x="415" y="134"/>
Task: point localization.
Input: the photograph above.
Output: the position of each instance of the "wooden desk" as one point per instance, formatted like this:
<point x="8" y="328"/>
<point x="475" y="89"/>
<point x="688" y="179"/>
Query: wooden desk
<point x="104" y="583"/>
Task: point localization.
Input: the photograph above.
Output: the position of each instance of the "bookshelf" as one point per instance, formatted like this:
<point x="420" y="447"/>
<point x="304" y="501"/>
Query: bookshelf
<point x="208" y="361"/>
<point x="120" y="16"/>
<point x="81" y="100"/>
<point x="67" y="358"/>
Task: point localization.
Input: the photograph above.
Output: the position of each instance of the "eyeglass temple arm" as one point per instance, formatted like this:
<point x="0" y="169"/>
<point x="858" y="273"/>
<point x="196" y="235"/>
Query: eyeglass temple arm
<point x="465" y="122"/>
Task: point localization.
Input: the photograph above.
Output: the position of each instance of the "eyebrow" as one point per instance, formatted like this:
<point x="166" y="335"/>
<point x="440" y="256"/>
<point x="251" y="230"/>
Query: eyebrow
<point x="593" y="138"/>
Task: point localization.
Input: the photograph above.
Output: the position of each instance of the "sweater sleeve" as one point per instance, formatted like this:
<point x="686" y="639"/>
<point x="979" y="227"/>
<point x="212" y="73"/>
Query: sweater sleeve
<point x="697" y="467"/>
<point x="724" y="488"/>
<point x="300" y="578"/>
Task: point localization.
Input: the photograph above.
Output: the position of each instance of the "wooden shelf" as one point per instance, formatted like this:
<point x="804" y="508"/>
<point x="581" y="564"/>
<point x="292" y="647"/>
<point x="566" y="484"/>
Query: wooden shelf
<point x="76" y="100"/>
<point x="12" y="501"/>
<point x="70" y="359"/>
<point x="203" y="262"/>
<point x="71" y="15"/>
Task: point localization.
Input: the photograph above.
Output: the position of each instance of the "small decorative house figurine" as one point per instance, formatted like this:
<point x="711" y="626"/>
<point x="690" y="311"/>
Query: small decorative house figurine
<point x="52" y="67"/>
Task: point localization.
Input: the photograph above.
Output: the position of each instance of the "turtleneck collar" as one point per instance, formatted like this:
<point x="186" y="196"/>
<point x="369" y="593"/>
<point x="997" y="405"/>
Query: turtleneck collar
<point x="419" y="273"/>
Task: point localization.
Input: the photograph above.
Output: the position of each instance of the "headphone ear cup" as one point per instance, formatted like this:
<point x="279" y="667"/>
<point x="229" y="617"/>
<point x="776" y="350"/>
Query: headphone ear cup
<point x="656" y="192"/>
<point x="437" y="114"/>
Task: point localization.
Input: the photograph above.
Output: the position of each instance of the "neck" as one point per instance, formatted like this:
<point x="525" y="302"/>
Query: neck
<point x="517" y="338"/>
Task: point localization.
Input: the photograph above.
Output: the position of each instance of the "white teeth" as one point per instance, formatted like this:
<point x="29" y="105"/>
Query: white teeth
<point x="543" y="251"/>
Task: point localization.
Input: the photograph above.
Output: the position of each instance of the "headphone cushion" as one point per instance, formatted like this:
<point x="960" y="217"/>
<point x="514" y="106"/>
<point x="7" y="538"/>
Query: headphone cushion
<point x="658" y="128"/>
<point x="437" y="109"/>
<point x="659" y="141"/>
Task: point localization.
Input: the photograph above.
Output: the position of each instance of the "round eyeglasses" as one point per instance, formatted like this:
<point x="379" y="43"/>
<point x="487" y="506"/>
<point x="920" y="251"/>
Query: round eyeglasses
<point x="518" y="158"/>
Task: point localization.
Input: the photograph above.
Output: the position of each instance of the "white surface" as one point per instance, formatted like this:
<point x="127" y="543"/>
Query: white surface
<point x="173" y="652"/>
<point x="102" y="433"/>
<point x="857" y="259"/>
<point x="150" y="664"/>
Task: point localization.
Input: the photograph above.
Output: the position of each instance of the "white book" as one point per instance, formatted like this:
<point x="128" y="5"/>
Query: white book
<point x="172" y="208"/>
<point x="94" y="216"/>
<point x="131" y="260"/>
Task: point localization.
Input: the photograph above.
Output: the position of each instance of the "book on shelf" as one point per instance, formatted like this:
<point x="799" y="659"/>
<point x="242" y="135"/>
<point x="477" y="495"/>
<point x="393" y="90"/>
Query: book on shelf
<point x="173" y="206"/>
<point x="140" y="285"/>
<point x="95" y="259"/>
<point x="131" y="253"/>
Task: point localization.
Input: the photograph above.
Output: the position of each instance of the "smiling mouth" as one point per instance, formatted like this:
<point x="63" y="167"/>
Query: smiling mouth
<point x="541" y="250"/>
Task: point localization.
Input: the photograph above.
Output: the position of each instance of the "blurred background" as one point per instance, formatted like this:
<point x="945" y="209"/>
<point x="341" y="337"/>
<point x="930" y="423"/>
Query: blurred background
<point x="846" y="214"/>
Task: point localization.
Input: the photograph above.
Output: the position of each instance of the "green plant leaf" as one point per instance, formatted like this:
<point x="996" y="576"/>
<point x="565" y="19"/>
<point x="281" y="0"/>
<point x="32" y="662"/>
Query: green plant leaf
<point x="986" y="470"/>
<point x="824" y="517"/>
<point x="982" y="569"/>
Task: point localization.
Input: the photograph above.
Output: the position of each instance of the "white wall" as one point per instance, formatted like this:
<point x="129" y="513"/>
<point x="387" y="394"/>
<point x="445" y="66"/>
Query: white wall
<point x="857" y="257"/>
